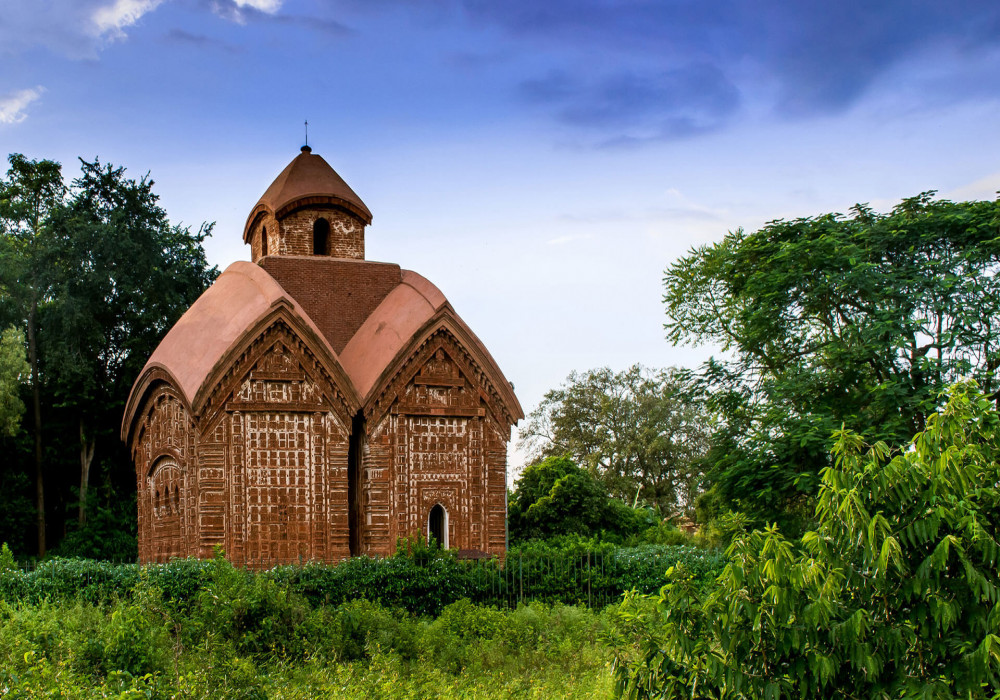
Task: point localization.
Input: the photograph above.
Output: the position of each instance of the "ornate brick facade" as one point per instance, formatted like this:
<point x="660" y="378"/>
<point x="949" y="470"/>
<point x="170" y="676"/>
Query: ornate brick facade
<point x="315" y="405"/>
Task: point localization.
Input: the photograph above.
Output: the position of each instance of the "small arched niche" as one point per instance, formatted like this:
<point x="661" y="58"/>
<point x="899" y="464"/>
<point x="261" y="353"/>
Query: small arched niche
<point x="437" y="526"/>
<point x="164" y="482"/>
<point x="321" y="237"/>
<point x="263" y="241"/>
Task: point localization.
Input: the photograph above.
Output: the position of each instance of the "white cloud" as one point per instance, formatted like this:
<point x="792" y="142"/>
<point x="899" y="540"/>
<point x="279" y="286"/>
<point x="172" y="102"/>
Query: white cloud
<point x="13" y="105"/>
<point x="111" y="19"/>
<point x="81" y="28"/>
<point x="268" y="6"/>
<point x="983" y="188"/>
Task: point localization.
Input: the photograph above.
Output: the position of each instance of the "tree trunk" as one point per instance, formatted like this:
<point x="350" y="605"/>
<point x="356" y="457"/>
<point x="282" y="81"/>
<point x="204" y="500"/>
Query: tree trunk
<point x="36" y="399"/>
<point x="86" y="457"/>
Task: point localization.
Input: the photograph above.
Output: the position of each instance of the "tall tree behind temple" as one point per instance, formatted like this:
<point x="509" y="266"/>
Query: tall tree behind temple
<point x="29" y="195"/>
<point x="641" y="432"/>
<point x="858" y="321"/>
<point x="119" y="276"/>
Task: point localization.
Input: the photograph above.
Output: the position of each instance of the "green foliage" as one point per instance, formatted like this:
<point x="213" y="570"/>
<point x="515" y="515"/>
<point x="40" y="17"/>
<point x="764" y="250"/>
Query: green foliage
<point x="7" y="563"/>
<point x="641" y="432"/>
<point x="857" y="321"/>
<point x="556" y="497"/>
<point x="111" y="529"/>
<point x="95" y="275"/>
<point x="139" y="648"/>
<point x="13" y="373"/>
<point x="895" y="595"/>
<point x="566" y="570"/>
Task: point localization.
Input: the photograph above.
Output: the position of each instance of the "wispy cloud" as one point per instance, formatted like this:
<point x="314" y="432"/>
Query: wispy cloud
<point x="269" y="6"/>
<point x="984" y="188"/>
<point x="179" y="36"/>
<point x="595" y="60"/>
<point x="244" y="11"/>
<point x="13" y="106"/>
<point x="81" y="28"/>
<point x="240" y="11"/>
<point x="629" y="106"/>
<point x="111" y="20"/>
<point x="569" y="238"/>
<point x="73" y="28"/>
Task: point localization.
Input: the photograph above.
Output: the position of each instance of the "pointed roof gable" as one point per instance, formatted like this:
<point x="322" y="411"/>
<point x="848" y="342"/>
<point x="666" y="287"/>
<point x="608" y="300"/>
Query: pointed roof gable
<point x="307" y="180"/>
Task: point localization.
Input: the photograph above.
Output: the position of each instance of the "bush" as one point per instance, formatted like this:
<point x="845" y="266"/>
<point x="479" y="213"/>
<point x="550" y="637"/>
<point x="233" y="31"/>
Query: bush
<point x="895" y="595"/>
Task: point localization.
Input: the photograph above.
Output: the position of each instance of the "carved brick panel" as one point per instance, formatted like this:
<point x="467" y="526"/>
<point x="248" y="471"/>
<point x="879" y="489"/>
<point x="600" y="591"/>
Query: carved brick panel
<point x="162" y="450"/>
<point x="430" y="449"/>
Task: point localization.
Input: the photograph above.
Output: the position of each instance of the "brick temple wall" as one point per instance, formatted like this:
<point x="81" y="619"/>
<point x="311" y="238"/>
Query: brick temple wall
<point x="286" y="450"/>
<point x="346" y="238"/>
<point x="268" y="223"/>
<point x="264" y="472"/>
<point x="436" y="444"/>
<point x="338" y="295"/>
<point x="293" y="235"/>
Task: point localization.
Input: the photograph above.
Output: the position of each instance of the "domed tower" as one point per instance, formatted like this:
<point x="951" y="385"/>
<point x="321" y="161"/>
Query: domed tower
<point x="314" y="405"/>
<point x="308" y="210"/>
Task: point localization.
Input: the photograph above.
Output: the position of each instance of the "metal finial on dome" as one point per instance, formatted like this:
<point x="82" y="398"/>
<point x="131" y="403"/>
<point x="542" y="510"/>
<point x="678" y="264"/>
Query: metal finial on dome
<point x="305" y="148"/>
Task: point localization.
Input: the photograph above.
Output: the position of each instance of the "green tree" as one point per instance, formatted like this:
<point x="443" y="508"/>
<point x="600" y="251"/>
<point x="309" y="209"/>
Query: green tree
<point x="641" y="432"/>
<point x="96" y="275"/>
<point x="859" y="320"/>
<point x="129" y="276"/>
<point x="557" y="497"/>
<point x="14" y="370"/>
<point x="30" y="193"/>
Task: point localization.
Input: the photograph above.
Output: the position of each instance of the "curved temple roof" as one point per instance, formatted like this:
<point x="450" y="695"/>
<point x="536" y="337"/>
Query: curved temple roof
<point x="245" y="292"/>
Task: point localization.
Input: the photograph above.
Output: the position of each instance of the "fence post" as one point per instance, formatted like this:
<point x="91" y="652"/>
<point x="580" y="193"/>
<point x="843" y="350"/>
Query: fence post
<point x="590" y="596"/>
<point x="520" y="569"/>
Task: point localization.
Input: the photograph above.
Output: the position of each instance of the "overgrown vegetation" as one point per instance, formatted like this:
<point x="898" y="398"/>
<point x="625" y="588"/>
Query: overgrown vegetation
<point x="398" y="627"/>
<point x="244" y="638"/>
<point x="896" y="594"/>
<point x="568" y="572"/>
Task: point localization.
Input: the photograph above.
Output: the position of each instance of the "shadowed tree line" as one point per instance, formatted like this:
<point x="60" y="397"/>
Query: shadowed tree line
<point x="92" y="275"/>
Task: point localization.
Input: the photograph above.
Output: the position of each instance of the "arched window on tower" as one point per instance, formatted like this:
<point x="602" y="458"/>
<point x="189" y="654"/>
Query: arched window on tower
<point x="437" y="526"/>
<point x="263" y="241"/>
<point x="321" y="236"/>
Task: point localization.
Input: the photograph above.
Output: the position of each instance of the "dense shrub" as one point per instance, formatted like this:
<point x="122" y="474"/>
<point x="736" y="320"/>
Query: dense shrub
<point x="131" y="649"/>
<point x="895" y="595"/>
<point x="568" y="570"/>
<point x="556" y="497"/>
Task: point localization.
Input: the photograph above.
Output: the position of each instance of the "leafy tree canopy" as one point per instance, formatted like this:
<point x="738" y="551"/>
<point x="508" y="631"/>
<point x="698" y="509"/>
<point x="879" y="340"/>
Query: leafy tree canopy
<point x="556" y="497"/>
<point x="95" y="275"/>
<point x="640" y="432"/>
<point x="895" y="595"/>
<point x="856" y="320"/>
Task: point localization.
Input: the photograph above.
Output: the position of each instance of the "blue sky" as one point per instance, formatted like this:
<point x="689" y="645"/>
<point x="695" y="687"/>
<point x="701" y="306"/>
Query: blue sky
<point x="541" y="161"/>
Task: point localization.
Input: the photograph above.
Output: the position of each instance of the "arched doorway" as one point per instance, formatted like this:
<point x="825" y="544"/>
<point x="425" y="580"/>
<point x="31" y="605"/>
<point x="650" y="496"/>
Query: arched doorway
<point x="437" y="526"/>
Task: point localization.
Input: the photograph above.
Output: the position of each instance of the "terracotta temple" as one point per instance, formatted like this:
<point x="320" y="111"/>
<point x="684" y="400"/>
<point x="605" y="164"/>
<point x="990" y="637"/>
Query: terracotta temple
<point x="313" y="405"/>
